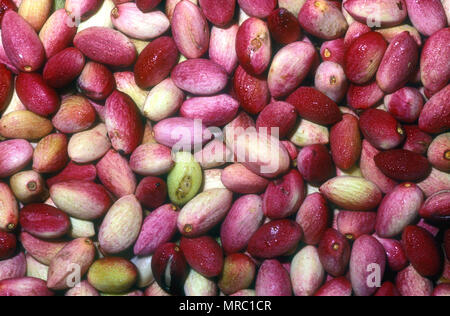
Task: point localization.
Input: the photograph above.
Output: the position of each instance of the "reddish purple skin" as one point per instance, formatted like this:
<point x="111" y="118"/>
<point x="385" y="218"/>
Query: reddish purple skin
<point x="238" y="179"/>
<point x="203" y="254"/>
<point x="434" y="69"/>
<point x="36" y="95"/>
<point x="63" y="68"/>
<point x="52" y="156"/>
<point x="106" y="46"/>
<point x="201" y="77"/>
<point x="163" y="132"/>
<point x="147" y="5"/>
<point x="387" y="289"/>
<point x="315" y="164"/>
<point x="284" y="26"/>
<point x="155" y="62"/>
<point x="406" y="104"/>
<point x="17" y="154"/>
<point x="364" y="97"/>
<point x="334" y="252"/>
<point x="428" y="93"/>
<point x="437" y="207"/>
<point x="364" y="56"/>
<point x="396" y="256"/>
<point x="170" y="255"/>
<point x="251" y="92"/>
<point x="221" y="47"/>
<point x="93" y="191"/>
<point x="253" y="53"/>
<point x="240" y="224"/>
<point x="313" y="217"/>
<point x="381" y="129"/>
<point x="6" y="85"/>
<point x="74" y="172"/>
<point x="21" y="43"/>
<point x="346" y="143"/>
<point x="279" y="115"/>
<point x="275" y="239"/>
<point x="218" y="110"/>
<point x="442" y="290"/>
<point x="397" y="11"/>
<point x="115" y="174"/>
<point x="57" y="34"/>
<point x="398" y="209"/>
<point x="6" y="5"/>
<point x="238" y="273"/>
<point x="416" y="140"/>
<point x="422" y="251"/>
<point x="323" y="19"/>
<point x="284" y="196"/>
<point x="427" y="16"/>
<point x="16" y="287"/>
<point x="242" y="122"/>
<point x="399" y="63"/>
<point x="96" y="81"/>
<point x="218" y="12"/>
<point x="87" y="7"/>
<point x="158" y="228"/>
<point x="315" y="106"/>
<point x="403" y="165"/>
<point x="44" y="221"/>
<point x="435" y="116"/>
<point x="74" y="117"/>
<point x="366" y="251"/>
<point x="123" y="122"/>
<point x="258" y="8"/>
<point x="333" y="51"/>
<point x="99" y="109"/>
<point x="190" y="29"/>
<point x="291" y="149"/>
<point x="433" y="230"/>
<point x="273" y="280"/>
<point x="355" y="224"/>
<point x="8" y="244"/>
<point x="355" y="30"/>
<point x="151" y="192"/>
<point x="14" y="267"/>
<point x="336" y="287"/>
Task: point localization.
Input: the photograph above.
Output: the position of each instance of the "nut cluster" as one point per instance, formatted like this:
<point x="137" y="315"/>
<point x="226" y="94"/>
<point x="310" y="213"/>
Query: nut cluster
<point x="225" y="147"/>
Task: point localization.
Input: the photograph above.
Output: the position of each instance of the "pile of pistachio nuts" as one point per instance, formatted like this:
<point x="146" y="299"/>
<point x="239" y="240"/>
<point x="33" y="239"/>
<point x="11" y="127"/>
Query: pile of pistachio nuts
<point x="224" y="147"/>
